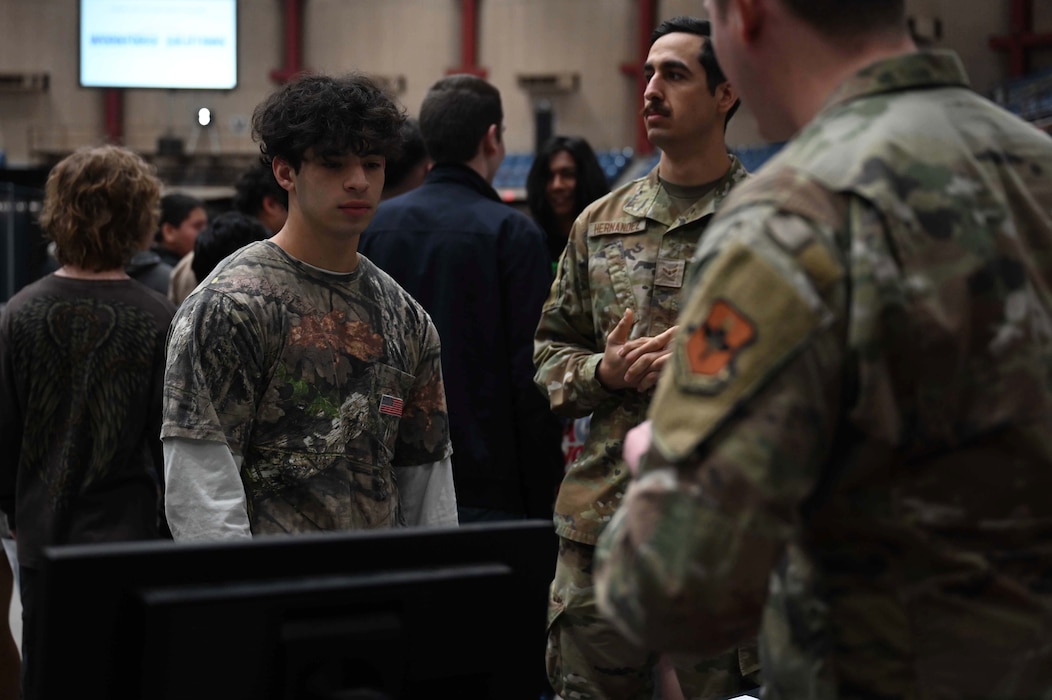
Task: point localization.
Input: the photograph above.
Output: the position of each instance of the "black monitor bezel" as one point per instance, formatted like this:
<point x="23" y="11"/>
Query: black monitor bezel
<point x="90" y="596"/>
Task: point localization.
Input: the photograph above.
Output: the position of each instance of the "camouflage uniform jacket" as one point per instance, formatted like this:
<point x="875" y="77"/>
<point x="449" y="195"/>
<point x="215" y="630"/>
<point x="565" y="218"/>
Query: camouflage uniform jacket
<point x="323" y="383"/>
<point x="853" y="438"/>
<point x="626" y="250"/>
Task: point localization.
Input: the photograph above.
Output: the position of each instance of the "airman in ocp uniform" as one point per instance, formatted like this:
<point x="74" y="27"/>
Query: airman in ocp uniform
<point x="600" y="346"/>
<point x="851" y="444"/>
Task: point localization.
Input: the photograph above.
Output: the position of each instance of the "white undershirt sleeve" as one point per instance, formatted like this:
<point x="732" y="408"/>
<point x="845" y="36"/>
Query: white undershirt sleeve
<point x="204" y="498"/>
<point x="426" y="494"/>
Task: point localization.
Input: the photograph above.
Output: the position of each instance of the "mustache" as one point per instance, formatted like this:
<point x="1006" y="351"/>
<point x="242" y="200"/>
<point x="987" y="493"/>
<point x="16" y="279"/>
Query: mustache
<point x="654" y="108"/>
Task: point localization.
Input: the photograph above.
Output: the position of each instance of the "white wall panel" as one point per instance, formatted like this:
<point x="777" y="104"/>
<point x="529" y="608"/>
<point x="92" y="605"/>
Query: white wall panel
<point x="415" y="39"/>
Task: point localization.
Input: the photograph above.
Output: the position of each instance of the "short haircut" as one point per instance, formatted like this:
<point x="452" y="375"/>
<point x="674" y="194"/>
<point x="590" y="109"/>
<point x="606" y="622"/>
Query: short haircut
<point x="412" y="153"/>
<point x="176" y="207"/>
<point x="836" y="18"/>
<point x="222" y="236"/>
<point x="846" y="19"/>
<point x="591" y="180"/>
<point x="455" y="115"/>
<point x="334" y="116"/>
<point x="100" y="206"/>
<point x="707" y="58"/>
<point x="253" y="185"/>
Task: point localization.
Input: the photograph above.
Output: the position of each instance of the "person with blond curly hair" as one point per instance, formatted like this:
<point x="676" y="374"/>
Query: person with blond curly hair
<point x="81" y="368"/>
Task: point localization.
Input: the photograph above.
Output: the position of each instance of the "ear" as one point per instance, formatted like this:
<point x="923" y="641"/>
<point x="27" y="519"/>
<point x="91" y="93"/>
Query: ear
<point x="491" y="140"/>
<point x="168" y="232"/>
<point x="726" y="96"/>
<point x="748" y="18"/>
<point x="283" y="172"/>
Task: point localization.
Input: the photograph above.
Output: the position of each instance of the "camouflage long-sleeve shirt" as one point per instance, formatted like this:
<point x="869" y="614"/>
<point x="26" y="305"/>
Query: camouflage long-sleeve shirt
<point x="853" y="439"/>
<point x="627" y="250"/>
<point x="323" y="383"/>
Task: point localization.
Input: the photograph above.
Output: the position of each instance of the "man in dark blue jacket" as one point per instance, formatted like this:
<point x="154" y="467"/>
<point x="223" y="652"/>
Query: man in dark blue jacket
<point x="481" y="270"/>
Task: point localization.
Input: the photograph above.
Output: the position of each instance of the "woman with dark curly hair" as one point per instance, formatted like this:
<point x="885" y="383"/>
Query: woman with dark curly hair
<point x="565" y="178"/>
<point x="304" y="389"/>
<point x="81" y="365"/>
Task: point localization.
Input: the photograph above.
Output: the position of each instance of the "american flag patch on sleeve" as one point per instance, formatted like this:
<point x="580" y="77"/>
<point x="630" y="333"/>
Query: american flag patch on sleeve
<point x="390" y="405"/>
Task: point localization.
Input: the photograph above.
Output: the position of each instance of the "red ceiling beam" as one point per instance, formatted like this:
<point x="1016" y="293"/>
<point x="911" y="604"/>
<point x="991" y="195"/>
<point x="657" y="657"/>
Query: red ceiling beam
<point x="644" y="26"/>
<point x="469" y="40"/>
<point x="1021" y="38"/>
<point x="114" y="110"/>
<point x="293" y="43"/>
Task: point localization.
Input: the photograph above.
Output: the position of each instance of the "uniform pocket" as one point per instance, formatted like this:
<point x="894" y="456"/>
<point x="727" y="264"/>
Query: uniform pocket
<point x="618" y="275"/>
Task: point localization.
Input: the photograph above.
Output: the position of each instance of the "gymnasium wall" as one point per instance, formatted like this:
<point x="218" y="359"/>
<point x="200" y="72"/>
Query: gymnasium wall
<point x="413" y="43"/>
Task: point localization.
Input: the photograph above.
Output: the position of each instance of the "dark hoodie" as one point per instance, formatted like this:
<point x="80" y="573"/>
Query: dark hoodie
<point x="147" y="267"/>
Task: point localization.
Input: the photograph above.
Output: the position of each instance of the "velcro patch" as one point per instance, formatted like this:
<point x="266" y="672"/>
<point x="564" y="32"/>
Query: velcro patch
<point x="712" y="346"/>
<point x="606" y="228"/>
<point x="669" y="273"/>
<point x="740" y="326"/>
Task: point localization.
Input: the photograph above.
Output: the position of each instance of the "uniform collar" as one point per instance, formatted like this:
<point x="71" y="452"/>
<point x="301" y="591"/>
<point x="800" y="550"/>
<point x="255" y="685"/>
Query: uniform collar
<point x="461" y="175"/>
<point x="650" y="200"/>
<point x="912" y="71"/>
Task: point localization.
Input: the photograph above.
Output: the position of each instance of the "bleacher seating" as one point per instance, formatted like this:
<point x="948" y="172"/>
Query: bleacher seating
<point x="617" y="163"/>
<point x="513" y="171"/>
<point x="614" y="163"/>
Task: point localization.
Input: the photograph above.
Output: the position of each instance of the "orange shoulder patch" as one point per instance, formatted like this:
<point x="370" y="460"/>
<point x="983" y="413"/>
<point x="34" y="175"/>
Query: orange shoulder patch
<point x="740" y="324"/>
<point x="712" y="346"/>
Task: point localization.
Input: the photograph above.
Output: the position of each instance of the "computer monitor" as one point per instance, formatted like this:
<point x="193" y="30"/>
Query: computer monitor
<point x="404" y="613"/>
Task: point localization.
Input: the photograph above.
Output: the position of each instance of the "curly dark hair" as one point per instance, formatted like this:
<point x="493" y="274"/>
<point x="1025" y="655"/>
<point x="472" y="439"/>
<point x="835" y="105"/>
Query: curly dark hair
<point x="334" y="116"/>
<point x="413" y="152"/>
<point x="591" y="180"/>
<point x="224" y="234"/>
<point x="707" y="58"/>
<point x="101" y="206"/>
<point x="455" y="115"/>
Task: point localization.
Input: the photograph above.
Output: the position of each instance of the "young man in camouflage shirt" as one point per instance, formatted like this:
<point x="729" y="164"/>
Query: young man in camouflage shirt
<point x="617" y="290"/>
<point x="852" y="441"/>
<point x="304" y="390"/>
